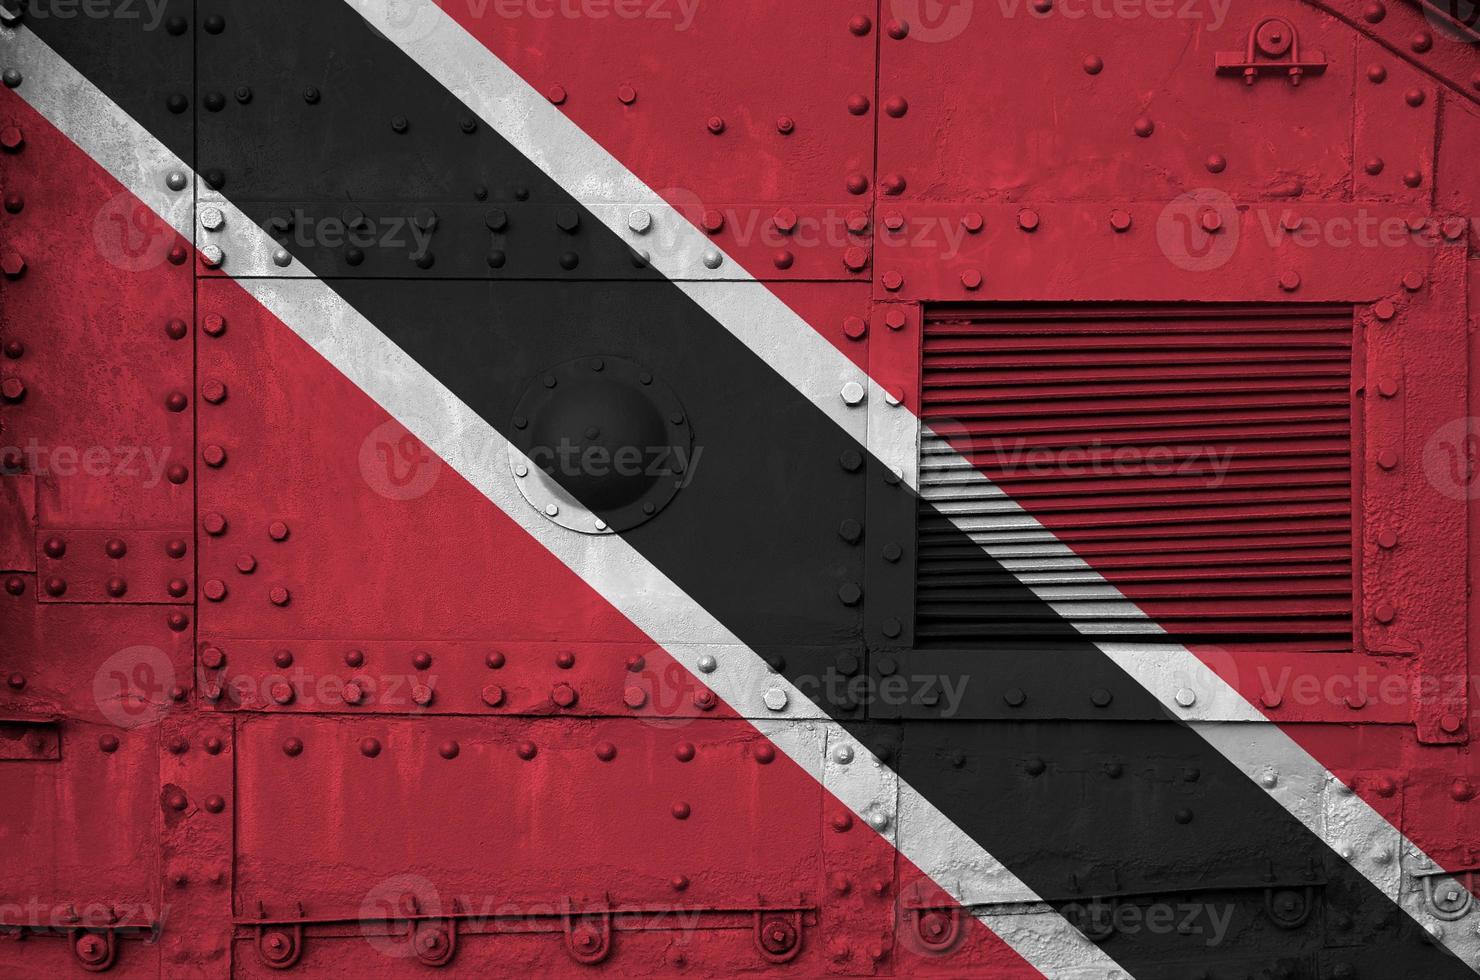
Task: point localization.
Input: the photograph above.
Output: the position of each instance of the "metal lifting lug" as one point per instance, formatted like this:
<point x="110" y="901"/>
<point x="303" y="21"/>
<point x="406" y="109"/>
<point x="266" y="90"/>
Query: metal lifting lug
<point x="1449" y="899"/>
<point x="778" y="934"/>
<point x="96" y="949"/>
<point x="937" y="929"/>
<point x="1289" y="908"/>
<point x="1273" y="48"/>
<point x="279" y="945"/>
<point x="588" y="934"/>
<point x="435" y="940"/>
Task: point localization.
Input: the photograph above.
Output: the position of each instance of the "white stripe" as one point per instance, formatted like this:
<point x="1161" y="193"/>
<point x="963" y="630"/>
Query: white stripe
<point x="479" y="453"/>
<point x="760" y="320"/>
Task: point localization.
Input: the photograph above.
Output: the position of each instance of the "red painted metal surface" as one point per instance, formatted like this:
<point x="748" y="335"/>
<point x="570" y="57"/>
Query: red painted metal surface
<point x="194" y="502"/>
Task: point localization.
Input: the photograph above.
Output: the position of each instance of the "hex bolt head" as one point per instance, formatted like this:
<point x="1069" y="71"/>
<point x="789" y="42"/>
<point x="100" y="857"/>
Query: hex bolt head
<point x="775" y="699"/>
<point x="852" y="393"/>
<point x="639" y="221"/>
<point x="1186" y="697"/>
<point x="211" y="218"/>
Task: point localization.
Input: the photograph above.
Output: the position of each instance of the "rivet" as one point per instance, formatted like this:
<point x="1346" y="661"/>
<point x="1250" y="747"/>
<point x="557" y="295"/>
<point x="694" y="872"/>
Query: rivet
<point x="1384" y="612"/>
<point x="283" y="659"/>
<point x="1183" y="816"/>
<point x="1421" y="41"/>
<point x="892" y="184"/>
<point x="1290" y="281"/>
<point x="842" y="822"/>
<point x="857" y="183"/>
<point x="1374" y="12"/>
<point x="215" y="804"/>
<point x="634" y="697"/>
<point x="1144" y="127"/>
<point x="707" y="663"/>
<point x="1414" y="97"/>
<point x="971" y="279"/>
<point x="1376" y="74"/>
<point x="606" y="751"/>
<point x="1387" y="459"/>
<point x="1094" y="64"/>
<point x="556" y="94"/>
<point x="1101" y="697"/>
<point x="108" y="743"/>
<point x="215" y="590"/>
<point x="715" y="124"/>
<point x="785" y="125"/>
<point x="1387" y="388"/>
<point x="1270" y="779"/>
<point x="843" y="754"/>
<point x="1120" y="220"/>
<point x="858" y="104"/>
<point x="1412" y="178"/>
<point x="859" y="25"/>
<point x="213" y="455"/>
<point x="369" y="747"/>
<point x="421" y="660"/>
<point x="626" y="94"/>
<point x="899" y="29"/>
<point x="1027" y="219"/>
<point x="896" y="106"/>
<point x="278" y="596"/>
<point x="681" y="810"/>
<point x="684" y="751"/>
<point x="1186" y="697"/>
<point x="56" y="586"/>
<point x="765" y="754"/>
<point x="177" y="801"/>
<point x="878" y="820"/>
<point x="1387" y="539"/>
<point x="175" y="180"/>
<point x="712" y="259"/>
<point x="292" y="746"/>
<point x="448" y="749"/>
<point x="850" y="593"/>
<point x="1450" y="724"/>
<point x="213" y="391"/>
<point x="1216" y="163"/>
<point x="1374" y="166"/>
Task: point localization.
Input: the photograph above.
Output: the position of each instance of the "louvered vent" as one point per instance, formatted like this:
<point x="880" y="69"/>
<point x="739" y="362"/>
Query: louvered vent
<point x="1198" y="458"/>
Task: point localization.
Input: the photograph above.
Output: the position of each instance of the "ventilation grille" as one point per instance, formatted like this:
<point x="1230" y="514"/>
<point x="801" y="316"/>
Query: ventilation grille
<point x="1198" y="458"/>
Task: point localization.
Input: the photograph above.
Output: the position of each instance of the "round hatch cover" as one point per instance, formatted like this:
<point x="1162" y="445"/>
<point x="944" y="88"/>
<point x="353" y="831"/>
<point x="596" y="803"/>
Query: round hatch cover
<point x="599" y="445"/>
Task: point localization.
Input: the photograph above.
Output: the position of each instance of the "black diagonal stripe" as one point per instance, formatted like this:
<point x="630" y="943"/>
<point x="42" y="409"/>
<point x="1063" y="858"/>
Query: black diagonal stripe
<point x="1136" y="805"/>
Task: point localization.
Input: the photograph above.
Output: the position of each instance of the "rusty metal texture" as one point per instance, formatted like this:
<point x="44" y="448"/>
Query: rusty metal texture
<point x="692" y="488"/>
